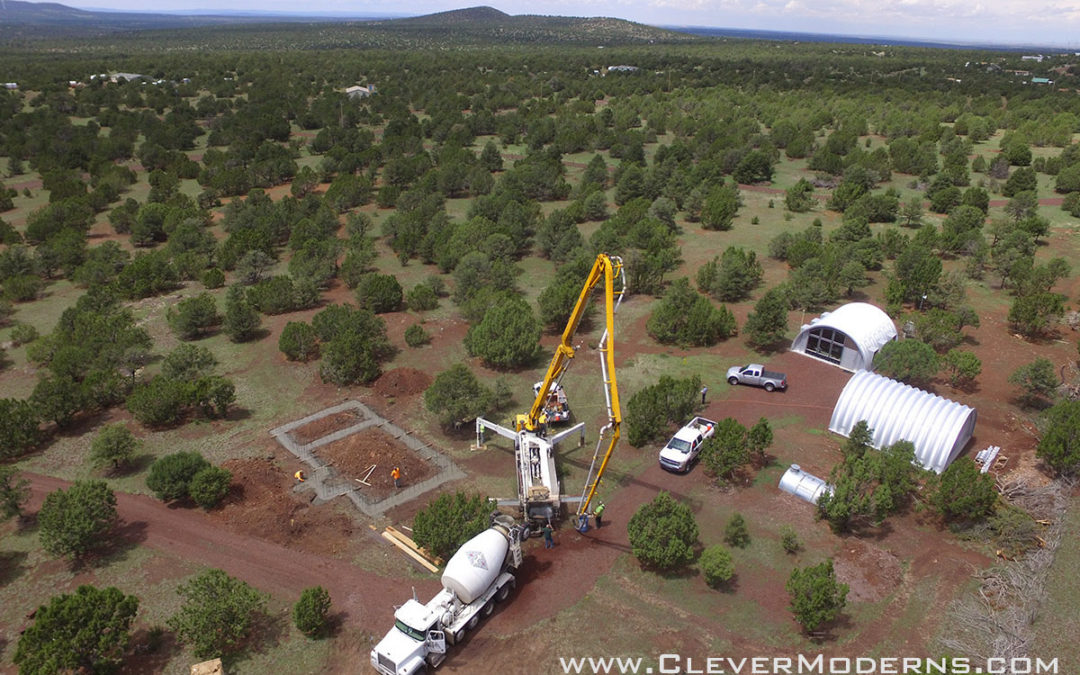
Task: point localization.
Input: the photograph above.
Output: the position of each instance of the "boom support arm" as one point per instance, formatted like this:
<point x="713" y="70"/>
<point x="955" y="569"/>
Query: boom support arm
<point x="606" y="268"/>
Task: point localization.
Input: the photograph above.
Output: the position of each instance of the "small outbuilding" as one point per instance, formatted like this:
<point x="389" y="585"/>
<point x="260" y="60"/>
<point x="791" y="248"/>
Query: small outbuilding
<point x="937" y="427"/>
<point x="848" y="336"/>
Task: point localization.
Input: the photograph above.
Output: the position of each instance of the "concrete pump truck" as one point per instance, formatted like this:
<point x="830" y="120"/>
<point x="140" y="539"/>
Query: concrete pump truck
<point x="539" y="492"/>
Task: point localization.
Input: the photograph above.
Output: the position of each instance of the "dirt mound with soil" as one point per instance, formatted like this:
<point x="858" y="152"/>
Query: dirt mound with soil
<point x="261" y="503"/>
<point x="354" y="455"/>
<point x="402" y="382"/>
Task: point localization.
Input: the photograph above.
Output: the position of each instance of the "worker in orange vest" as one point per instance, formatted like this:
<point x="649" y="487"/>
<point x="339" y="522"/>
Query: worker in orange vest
<point x="396" y="475"/>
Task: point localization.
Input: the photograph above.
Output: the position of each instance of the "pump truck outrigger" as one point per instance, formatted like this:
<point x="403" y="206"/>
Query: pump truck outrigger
<point x="538" y="485"/>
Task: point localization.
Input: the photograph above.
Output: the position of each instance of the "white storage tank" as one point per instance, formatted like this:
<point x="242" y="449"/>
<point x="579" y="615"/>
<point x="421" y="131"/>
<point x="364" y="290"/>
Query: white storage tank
<point x="803" y="485"/>
<point x="476" y="565"/>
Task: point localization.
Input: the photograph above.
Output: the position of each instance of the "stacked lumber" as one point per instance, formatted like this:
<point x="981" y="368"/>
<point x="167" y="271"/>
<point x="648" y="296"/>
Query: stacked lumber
<point x="409" y="547"/>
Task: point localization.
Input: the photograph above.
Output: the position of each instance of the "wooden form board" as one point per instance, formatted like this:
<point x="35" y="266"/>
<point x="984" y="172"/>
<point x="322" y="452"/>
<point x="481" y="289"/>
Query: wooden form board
<point x="409" y="552"/>
<point x="408" y="541"/>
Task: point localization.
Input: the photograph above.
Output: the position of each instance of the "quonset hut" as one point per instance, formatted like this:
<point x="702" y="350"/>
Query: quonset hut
<point x="894" y="411"/>
<point x="848" y="336"/>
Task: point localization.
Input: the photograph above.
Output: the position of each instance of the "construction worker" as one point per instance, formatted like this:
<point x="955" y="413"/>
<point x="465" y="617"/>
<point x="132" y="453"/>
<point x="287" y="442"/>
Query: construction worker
<point x="299" y="475"/>
<point x="396" y="475"/>
<point x="543" y="423"/>
<point x="598" y="513"/>
<point x="704" y="390"/>
<point x="549" y="539"/>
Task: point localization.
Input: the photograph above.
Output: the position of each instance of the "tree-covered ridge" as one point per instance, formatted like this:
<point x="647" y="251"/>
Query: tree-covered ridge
<point x="23" y="21"/>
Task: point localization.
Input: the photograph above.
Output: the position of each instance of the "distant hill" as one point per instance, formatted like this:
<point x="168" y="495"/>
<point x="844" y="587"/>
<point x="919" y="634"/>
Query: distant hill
<point x="45" y="19"/>
<point x="21" y="20"/>
<point x="487" y="24"/>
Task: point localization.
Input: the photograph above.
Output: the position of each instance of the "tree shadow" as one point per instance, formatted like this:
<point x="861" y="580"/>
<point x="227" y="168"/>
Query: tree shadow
<point x="335" y="624"/>
<point x="828" y="632"/>
<point x="150" y="650"/>
<point x="12" y="567"/>
<point x="235" y="413"/>
<point x="115" y="547"/>
<point x="267" y="632"/>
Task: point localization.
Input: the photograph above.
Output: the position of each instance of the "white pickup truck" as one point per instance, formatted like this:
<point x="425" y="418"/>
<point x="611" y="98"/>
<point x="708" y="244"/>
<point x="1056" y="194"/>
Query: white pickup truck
<point x="684" y="447"/>
<point x="756" y="375"/>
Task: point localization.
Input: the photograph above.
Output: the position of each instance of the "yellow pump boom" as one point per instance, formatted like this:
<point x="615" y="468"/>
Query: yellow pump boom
<point x="607" y="269"/>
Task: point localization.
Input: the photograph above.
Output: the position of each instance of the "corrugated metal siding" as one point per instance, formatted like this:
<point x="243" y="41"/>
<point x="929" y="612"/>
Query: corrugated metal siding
<point x="937" y="427"/>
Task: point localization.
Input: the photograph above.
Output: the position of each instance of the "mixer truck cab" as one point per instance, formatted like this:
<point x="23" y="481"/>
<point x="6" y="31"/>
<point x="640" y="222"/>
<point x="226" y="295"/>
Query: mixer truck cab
<point x="475" y="578"/>
<point x="415" y="641"/>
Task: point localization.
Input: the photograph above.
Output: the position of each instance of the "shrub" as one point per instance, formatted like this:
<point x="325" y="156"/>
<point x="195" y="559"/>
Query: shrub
<point x="187" y="363"/>
<point x="298" y="341"/>
<point x="22" y="333"/>
<point x="213" y="278"/>
<point x="193" y="316"/>
<point x="507" y="337"/>
<point x="910" y="361"/>
<point x="687" y="318"/>
<point x="310" y="611"/>
<point x="735" y="532"/>
<point x="663" y="533"/>
<point x="450" y="521"/>
<point x="716" y="566"/>
<point x="1059" y="446"/>
<point x="218" y="613"/>
<point x="650" y="410"/>
<point x="457" y="397"/>
<point x="19" y="427"/>
<point x="170" y="476"/>
<point x="86" y="631"/>
<point x="241" y="319"/>
<point x="209" y="485"/>
<point x="789" y="540"/>
<point x="422" y="298"/>
<point x="276" y="295"/>
<point x="380" y="293"/>
<point x="72" y="522"/>
<point x="159" y="402"/>
<point x="416" y="336"/>
<point x="1038" y="380"/>
<point x="114" y="447"/>
<point x="816" y="596"/>
<point x="963" y="493"/>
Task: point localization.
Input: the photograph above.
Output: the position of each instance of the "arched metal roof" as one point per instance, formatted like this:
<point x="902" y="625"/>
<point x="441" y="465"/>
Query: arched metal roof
<point x="894" y="411"/>
<point x="868" y="326"/>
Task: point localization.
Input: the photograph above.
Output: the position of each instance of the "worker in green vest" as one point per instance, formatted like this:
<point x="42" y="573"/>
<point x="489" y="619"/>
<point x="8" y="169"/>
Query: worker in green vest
<point x="598" y="513"/>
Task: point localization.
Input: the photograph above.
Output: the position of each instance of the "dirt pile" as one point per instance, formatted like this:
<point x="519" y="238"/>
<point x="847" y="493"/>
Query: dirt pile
<point x="402" y="382"/>
<point x="261" y="503"/>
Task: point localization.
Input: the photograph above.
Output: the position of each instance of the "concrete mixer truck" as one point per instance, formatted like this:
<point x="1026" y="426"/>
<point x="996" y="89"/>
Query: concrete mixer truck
<point x="476" y="577"/>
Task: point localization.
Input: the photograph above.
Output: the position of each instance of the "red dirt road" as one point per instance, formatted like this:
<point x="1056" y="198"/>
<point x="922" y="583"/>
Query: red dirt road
<point x="366" y="600"/>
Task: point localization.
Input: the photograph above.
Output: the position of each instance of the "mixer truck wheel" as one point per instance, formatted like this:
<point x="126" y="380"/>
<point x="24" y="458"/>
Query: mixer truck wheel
<point x="489" y="608"/>
<point x="504" y="591"/>
<point x="733" y="380"/>
<point x="473" y="621"/>
<point x="459" y="636"/>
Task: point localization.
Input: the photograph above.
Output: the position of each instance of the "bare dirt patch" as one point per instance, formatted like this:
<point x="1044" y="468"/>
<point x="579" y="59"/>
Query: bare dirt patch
<point x="402" y="382"/>
<point x="354" y="455"/>
<point x="261" y="503"/>
<point x="871" y="573"/>
<point x="324" y="426"/>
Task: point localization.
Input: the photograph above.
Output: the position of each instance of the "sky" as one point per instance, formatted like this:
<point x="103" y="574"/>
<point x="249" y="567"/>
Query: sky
<point x="1028" y="22"/>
